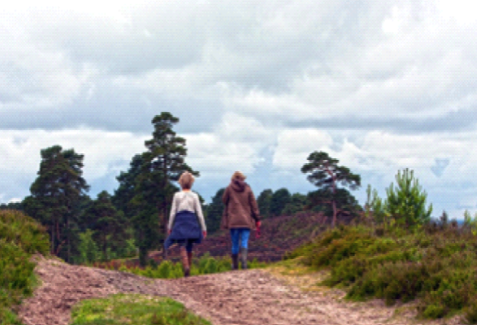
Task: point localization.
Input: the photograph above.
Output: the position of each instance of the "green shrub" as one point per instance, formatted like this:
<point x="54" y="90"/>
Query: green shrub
<point x="434" y="311"/>
<point x="23" y="231"/>
<point x="470" y="313"/>
<point x="438" y="267"/>
<point x="133" y="310"/>
<point x="20" y="237"/>
<point x="205" y="265"/>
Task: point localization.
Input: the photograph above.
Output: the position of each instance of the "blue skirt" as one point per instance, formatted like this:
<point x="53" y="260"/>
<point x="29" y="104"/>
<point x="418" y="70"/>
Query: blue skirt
<point x="186" y="228"/>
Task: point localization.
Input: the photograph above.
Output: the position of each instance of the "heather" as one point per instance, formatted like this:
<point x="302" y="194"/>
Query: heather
<point x="20" y="237"/>
<point x="168" y="269"/>
<point x="435" y="264"/>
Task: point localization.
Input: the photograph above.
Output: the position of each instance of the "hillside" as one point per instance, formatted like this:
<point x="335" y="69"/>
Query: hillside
<point x="20" y="237"/>
<point x="278" y="236"/>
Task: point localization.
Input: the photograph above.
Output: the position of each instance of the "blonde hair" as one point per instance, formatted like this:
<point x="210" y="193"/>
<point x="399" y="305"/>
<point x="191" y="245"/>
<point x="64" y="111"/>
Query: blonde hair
<point x="186" y="180"/>
<point x="239" y="175"/>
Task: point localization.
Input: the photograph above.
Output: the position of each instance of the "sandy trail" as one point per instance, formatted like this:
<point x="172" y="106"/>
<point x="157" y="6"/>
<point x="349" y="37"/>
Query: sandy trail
<point x="252" y="297"/>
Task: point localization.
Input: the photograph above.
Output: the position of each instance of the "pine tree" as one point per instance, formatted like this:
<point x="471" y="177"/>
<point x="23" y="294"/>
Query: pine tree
<point x="108" y="224"/>
<point x="214" y="212"/>
<point x="55" y="196"/>
<point x="145" y="191"/>
<point x="264" y="201"/>
<point x="325" y="173"/>
<point x="406" y="202"/>
<point x="280" y="198"/>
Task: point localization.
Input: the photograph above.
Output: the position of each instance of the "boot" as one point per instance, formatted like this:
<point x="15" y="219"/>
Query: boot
<point x="243" y="257"/>
<point x="189" y="258"/>
<point x="185" y="262"/>
<point x="234" y="261"/>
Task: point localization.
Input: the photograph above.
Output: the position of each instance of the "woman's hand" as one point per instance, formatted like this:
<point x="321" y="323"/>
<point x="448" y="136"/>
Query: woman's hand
<point x="204" y="234"/>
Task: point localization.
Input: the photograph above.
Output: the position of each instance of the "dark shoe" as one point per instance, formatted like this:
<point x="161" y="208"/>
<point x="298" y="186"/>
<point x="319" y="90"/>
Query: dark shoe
<point x="243" y="257"/>
<point x="234" y="261"/>
<point x="185" y="262"/>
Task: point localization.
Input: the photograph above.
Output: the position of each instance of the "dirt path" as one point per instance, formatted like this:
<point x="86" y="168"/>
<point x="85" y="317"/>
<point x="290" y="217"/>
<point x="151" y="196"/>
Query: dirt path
<point x="252" y="297"/>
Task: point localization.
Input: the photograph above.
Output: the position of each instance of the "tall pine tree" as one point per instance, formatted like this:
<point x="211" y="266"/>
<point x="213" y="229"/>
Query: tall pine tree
<point x="145" y="191"/>
<point x="109" y="225"/>
<point x="55" y="196"/>
<point x="325" y="173"/>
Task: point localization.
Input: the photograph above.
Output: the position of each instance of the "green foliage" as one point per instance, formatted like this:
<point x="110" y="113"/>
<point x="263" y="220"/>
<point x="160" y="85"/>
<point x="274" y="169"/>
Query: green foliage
<point x="20" y="237"/>
<point x="109" y="226"/>
<point x="325" y="173"/>
<point x="436" y="266"/>
<point x="280" y="198"/>
<point x="88" y="248"/>
<point x="169" y="270"/>
<point x="56" y="195"/>
<point x="297" y="203"/>
<point x="470" y="223"/>
<point x="22" y="231"/>
<point x="146" y="190"/>
<point x="12" y="206"/>
<point x="214" y="212"/>
<point x="374" y="207"/>
<point x="407" y="201"/>
<point x="470" y="313"/>
<point x="321" y="201"/>
<point x="133" y="310"/>
<point x="264" y="201"/>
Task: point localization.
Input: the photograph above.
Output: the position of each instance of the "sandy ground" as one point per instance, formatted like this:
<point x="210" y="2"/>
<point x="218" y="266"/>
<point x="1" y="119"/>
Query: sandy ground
<point x="252" y="297"/>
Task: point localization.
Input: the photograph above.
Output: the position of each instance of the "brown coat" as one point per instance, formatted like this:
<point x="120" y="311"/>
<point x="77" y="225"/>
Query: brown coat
<point x="241" y="209"/>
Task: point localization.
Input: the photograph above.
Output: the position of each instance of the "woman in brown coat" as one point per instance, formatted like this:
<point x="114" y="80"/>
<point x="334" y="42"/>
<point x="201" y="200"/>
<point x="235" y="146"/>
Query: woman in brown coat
<point x="241" y="215"/>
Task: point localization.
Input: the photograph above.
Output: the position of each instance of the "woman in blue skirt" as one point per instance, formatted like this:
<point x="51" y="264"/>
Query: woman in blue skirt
<point x="186" y="221"/>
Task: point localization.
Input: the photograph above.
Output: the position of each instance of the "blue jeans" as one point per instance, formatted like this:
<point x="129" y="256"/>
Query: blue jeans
<point x="235" y="233"/>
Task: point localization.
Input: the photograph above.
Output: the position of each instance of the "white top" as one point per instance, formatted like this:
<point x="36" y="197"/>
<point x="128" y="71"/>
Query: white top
<point x="189" y="201"/>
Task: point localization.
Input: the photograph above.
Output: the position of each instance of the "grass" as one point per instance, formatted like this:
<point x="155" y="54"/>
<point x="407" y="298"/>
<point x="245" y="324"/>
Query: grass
<point x="133" y="310"/>
<point x="435" y="265"/>
<point x="169" y="270"/>
<point x="20" y="237"/>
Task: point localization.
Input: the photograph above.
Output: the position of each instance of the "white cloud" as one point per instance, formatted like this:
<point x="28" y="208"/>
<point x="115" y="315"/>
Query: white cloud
<point x="294" y="146"/>
<point x="236" y="144"/>
<point x="254" y="84"/>
<point x="105" y="153"/>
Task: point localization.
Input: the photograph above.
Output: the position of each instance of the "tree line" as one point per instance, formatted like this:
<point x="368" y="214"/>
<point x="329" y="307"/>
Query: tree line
<point x="133" y="219"/>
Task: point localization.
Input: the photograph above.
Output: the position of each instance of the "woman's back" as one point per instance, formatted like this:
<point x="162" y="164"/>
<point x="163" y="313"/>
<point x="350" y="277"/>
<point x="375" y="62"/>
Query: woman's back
<point x="186" y="201"/>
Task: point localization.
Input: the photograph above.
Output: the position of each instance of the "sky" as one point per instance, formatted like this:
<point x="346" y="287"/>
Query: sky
<point x="257" y="86"/>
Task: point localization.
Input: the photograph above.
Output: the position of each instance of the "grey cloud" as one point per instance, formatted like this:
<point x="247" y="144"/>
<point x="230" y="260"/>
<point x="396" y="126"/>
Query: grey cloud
<point x="456" y="121"/>
<point x="128" y="110"/>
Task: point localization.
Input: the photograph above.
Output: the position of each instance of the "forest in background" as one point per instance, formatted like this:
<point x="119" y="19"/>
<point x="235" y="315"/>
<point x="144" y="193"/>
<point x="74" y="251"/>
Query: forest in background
<point x="133" y="219"/>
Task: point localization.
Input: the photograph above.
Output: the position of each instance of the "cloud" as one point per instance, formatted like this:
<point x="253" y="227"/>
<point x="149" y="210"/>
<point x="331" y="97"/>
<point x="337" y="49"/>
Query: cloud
<point x="257" y="87"/>
<point x="443" y="163"/>
<point x="294" y="146"/>
<point x="106" y="153"/>
<point x="237" y="143"/>
<point x="293" y="63"/>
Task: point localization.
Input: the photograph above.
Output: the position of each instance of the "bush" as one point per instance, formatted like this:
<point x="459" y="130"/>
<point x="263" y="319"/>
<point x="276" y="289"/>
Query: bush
<point x="438" y="267"/>
<point x="133" y="309"/>
<point x="169" y="270"/>
<point x="20" y="237"/>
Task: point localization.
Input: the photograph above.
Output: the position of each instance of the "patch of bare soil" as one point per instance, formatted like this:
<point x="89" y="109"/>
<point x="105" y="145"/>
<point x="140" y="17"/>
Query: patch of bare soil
<point x="252" y="297"/>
